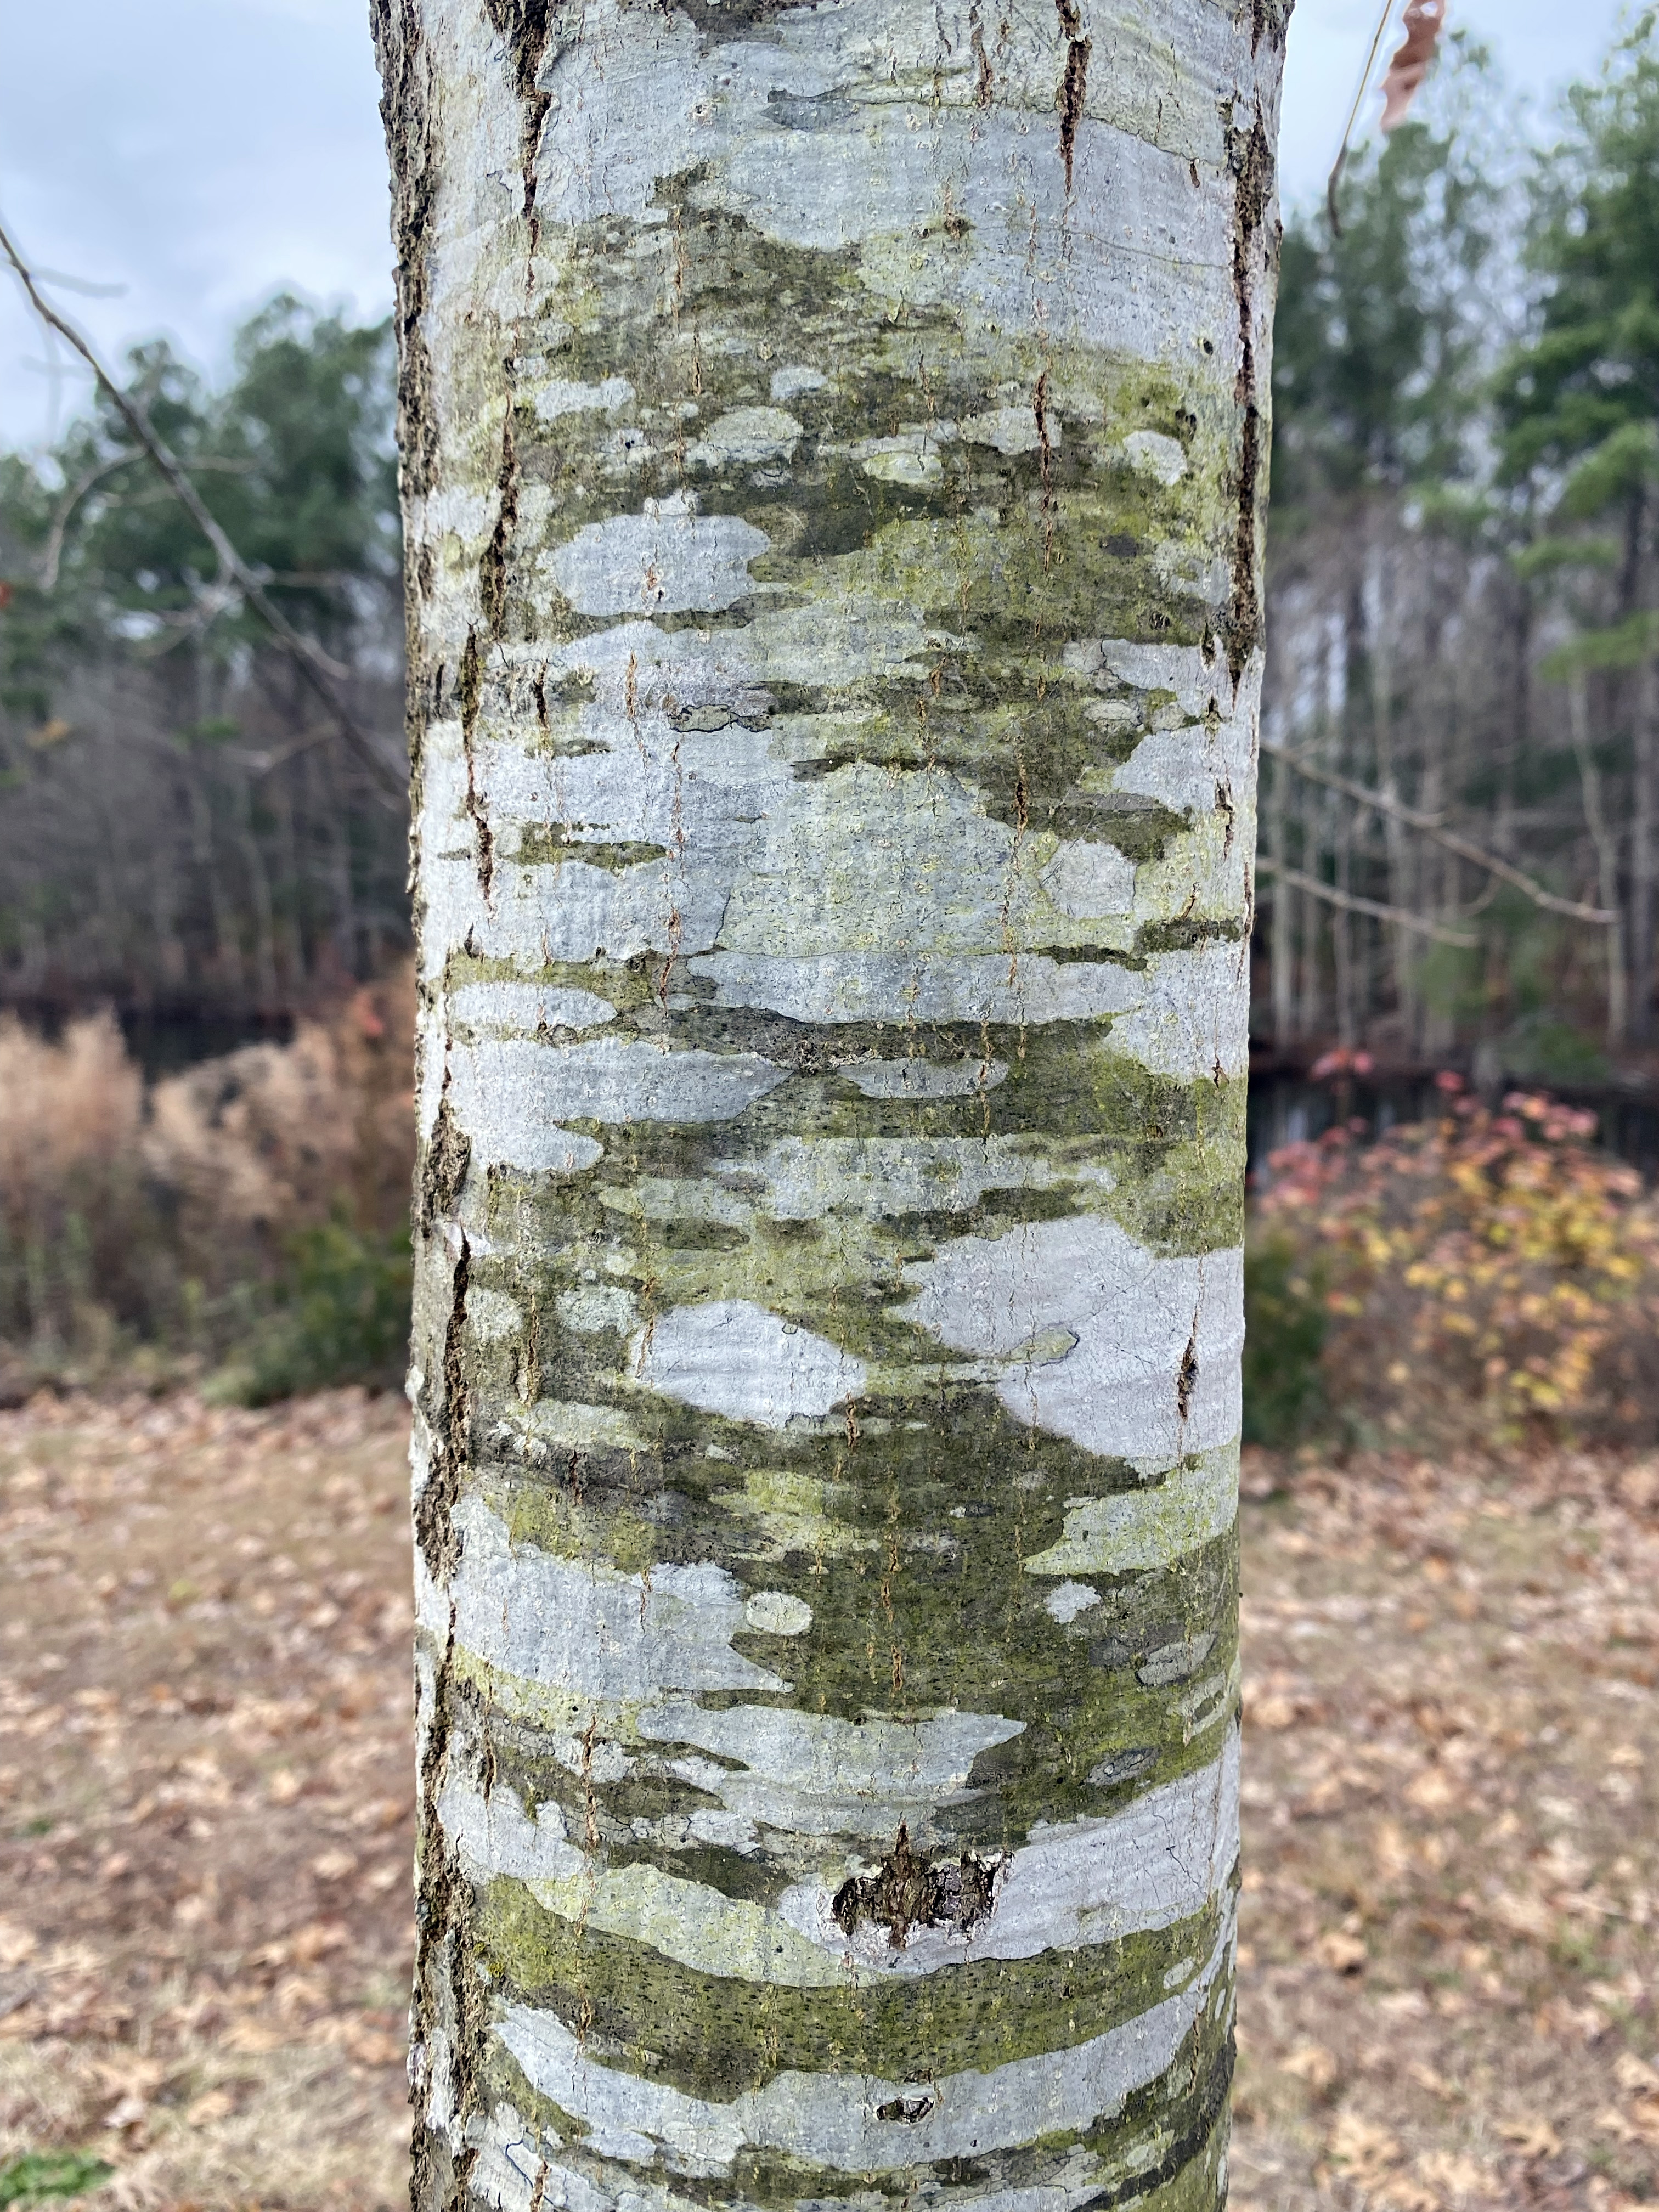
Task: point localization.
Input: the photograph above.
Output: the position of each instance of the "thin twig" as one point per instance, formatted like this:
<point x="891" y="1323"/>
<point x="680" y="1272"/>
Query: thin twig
<point x="1351" y="902"/>
<point x="308" y="657"/>
<point x="260" y="765"/>
<point x="66" y="506"/>
<point x="1353" y="117"/>
<point x="1430" y="826"/>
<point x="78" y="491"/>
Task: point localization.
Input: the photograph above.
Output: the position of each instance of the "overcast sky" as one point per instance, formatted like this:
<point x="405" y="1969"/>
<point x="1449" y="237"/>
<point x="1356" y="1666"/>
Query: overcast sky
<point x="203" y="153"/>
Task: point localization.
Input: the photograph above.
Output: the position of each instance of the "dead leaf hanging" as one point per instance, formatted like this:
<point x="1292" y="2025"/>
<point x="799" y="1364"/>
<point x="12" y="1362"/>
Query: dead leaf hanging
<point x="1424" y="22"/>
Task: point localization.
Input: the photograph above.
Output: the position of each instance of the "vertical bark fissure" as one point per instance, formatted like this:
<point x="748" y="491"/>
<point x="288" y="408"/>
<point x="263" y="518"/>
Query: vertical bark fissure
<point x="527" y="27"/>
<point x="1250" y="159"/>
<point x="1073" y="90"/>
<point x="470" y="693"/>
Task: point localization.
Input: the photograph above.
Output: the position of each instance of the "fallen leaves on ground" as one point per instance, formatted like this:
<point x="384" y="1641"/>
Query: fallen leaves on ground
<point x="204" y="1765"/>
<point x="1447" y="1979"/>
<point x="1451" y="1849"/>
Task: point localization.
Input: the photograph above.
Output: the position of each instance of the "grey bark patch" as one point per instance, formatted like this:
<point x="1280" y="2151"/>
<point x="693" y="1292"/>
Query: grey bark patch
<point x="507" y="1093"/>
<point x="735" y="1358"/>
<point x="923" y="1079"/>
<point x="907" y="1891"/>
<point x="1122" y="1766"/>
<point x="668" y="560"/>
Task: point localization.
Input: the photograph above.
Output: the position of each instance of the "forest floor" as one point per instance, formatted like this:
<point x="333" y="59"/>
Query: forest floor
<point x="1449" y="1965"/>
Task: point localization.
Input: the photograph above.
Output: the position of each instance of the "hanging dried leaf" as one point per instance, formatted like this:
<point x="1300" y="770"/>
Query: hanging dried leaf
<point x="1424" y="22"/>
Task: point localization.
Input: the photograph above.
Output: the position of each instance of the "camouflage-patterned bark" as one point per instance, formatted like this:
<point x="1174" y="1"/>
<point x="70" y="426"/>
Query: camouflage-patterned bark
<point x="833" y="438"/>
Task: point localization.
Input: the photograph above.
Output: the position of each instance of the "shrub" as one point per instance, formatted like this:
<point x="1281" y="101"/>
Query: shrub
<point x="1284" y="1330"/>
<point x="341" y="1316"/>
<point x="37" y="2175"/>
<point x="1482" y="1274"/>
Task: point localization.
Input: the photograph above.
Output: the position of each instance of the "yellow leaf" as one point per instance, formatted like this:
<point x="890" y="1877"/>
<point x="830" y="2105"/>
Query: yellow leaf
<point x="1436" y="2084"/>
<point x="1270" y="1712"/>
<point x="1431" y="1791"/>
<point x="1524" y="1916"/>
<point x="1635" y="2075"/>
<point x="1454" y="2173"/>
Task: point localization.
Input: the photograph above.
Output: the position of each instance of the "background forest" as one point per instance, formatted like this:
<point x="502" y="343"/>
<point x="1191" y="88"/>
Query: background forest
<point x="203" y="924"/>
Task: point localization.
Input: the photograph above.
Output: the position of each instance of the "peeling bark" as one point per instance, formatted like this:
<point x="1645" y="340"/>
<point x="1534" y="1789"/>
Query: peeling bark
<point x="837" y="504"/>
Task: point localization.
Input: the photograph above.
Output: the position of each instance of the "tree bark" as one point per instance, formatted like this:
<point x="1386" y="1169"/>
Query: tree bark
<point x="833" y="446"/>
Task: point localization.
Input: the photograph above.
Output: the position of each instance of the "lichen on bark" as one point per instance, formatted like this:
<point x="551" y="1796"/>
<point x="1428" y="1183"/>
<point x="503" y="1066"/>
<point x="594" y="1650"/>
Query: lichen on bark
<point x="833" y="442"/>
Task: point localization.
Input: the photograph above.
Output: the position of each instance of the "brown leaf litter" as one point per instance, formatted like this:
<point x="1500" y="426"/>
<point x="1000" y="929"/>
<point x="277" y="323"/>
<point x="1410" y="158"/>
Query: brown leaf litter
<point x="1451" y="1851"/>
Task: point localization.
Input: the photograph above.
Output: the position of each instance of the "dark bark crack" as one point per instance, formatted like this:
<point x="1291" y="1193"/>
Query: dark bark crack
<point x="492" y="564"/>
<point x="449" y="1999"/>
<point x="1187" y="1380"/>
<point x="910" y="2109"/>
<point x="985" y="83"/>
<point x="527" y="27"/>
<point x="1249" y="158"/>
<point x="434" y="1529"/>
<point x="1074" y="83"/>
<point x="470" y="689"/>
<point x="406" y="103"/>
<point x="443" y="1169"/>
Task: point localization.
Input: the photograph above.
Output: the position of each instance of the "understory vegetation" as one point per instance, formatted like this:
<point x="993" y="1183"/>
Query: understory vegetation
<point x="1482" y="1276"/>
<point x="246" y="1220"/>
<point x="1488" y="1274"/>
<point x="1463" y="668"/>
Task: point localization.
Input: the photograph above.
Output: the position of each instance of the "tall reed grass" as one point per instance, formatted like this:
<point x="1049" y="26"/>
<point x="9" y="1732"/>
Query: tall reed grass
<point x="247" y="1217"/>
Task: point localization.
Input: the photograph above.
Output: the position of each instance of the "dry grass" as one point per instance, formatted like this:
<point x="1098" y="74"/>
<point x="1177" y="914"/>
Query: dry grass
<point x="63" y="1108"/>
<point x="147" y="1233"/>
<point x="1447" y="1968"/>
<point x="270" y="1137"/>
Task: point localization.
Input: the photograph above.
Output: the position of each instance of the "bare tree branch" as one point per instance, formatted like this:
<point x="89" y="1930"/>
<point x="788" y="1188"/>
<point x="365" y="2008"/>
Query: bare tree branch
<point x="1351" y="902"/>
<point x="1430" y="826"/>
<point x="314" y="664"/>
<point x="78" y="491"/>
<point x="66" y="506"/>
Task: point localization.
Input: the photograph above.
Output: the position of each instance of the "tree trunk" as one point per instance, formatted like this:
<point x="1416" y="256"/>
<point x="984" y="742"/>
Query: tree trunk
<point x="833" y="447"/>
<point x="1605" y="840"/>
<point x="1644" y="811"/>
<point x="1282" y="943"/>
